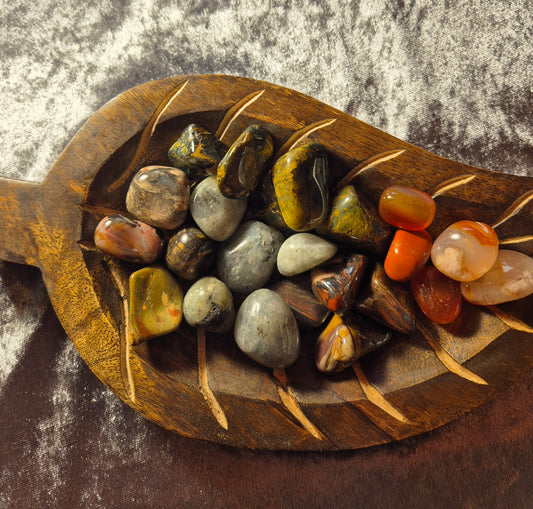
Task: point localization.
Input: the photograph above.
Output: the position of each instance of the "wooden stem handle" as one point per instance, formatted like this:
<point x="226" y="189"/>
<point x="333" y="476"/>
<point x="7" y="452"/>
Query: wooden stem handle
<point x="20" y="211"/>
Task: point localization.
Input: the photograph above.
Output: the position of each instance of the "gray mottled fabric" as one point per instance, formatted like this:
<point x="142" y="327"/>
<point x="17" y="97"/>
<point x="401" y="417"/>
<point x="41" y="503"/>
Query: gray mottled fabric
<point x="452" y="77"/>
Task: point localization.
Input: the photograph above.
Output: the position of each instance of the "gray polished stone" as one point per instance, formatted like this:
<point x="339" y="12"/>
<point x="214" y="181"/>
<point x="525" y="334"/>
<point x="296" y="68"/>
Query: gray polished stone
<point x="303" y="251"/>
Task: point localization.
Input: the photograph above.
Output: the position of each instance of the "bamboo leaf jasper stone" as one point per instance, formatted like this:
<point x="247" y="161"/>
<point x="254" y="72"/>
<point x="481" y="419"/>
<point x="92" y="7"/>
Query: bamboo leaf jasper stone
<point x="155" y="304"/>
<point x="159" y="196"/>
<point x="217" y="216"/>
<point x="354" y="222"/>
<point x="266" y="330"/>
<point x="241" y="168"/>
<point x="197" y="152"/>
<point x="300" y="180"/>
<point x="247" y="259"/>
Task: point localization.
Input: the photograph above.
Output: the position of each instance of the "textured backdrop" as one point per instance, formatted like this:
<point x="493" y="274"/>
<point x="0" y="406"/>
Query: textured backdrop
<point x="452" y="77"/>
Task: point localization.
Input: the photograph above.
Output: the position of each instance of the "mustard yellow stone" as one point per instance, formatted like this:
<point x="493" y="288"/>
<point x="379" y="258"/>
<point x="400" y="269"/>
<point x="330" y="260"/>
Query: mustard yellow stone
<point x="155" y="304"/>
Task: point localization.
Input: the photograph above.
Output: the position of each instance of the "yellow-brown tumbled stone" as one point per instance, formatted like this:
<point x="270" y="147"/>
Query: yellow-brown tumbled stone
<point x="155" y="304"/>
<point x="300" y="180"/>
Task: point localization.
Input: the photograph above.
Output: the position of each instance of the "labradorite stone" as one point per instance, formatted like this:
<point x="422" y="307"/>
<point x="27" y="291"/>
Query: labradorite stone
<point x="155" y="303"/>
<point x="266" y="330"/>
<point x="247" y="259"/>
<point x="209" y="305"/>
<point x="300" y="180"/>
<point x="303" y="251"/>
<point x="241" y="168"/>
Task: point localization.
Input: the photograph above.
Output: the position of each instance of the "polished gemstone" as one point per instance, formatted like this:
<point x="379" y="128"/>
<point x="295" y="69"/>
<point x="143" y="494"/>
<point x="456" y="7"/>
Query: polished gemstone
<point x="217" y="216"/>
<point x="159" y="196"/>
<point x="387" y="301"/>
<point x="337" y="282"/>
<point x="408" y="253"/>
<point x="352" y="221"/>
<point x="197" y="152"/>
<point x="303" y="251"/>
<point x="247" y="259"/>
<point x="300" y="180"/>
<point x="266" y="330"/>
<point x="510" y="278"/>
<point x="465" y="250"/>
<point x="190" y="253"/>
<point x="155" y="303"/>
<point x="438" y="296"/>
<point x="243" y="165"/>
<point x="296" y="292"/>
<point x="406" y="207"/>
<point x="208" y="304"/>
<point x="128" y="239"/>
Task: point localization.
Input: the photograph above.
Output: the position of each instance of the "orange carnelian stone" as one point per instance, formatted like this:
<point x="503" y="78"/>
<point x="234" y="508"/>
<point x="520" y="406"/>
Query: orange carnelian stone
<point x="408" y="253"/>
<point x="438" y="296"/>
<point x="406" y="207"/>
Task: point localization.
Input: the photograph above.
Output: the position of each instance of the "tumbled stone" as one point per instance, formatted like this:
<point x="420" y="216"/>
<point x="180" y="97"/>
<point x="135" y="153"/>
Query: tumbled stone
<point x="243" y="165"/>
<point x="159" y="196"/>
<point x="300" y="180"/>
<point x="387" y="301"/>
<point x="190" y="253"/>
<point x="352" y="221"/>
<point x="197" y="152"/>
<point x="217" y="216"/>
<point x="155" y="304"/>
<point x="208" y="304"/>
<point x="247" y="259"/>
<point x="465" y="250"/>
<point x="266" y="330"/>
<point x="297" y="294"/>
<point x="438" y="296"/>
<point x="303" y="251"/>
<point x="406" y="207"/>
<point x="510" y="278"/>
<point x="128" y="239"/>
<point x="337" y="282"/>
<point x="408" y="253"/>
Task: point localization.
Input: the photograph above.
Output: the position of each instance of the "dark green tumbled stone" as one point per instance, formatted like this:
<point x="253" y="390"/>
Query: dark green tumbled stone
<point x="241" y="168"/>
<point x="197" y="152"/>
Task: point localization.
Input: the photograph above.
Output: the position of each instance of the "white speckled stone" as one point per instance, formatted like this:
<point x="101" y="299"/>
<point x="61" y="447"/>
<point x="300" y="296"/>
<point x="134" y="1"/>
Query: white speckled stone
<point x="266" y="330"/>
<point x="217" y="216"/>
<point x="303" y="251"/>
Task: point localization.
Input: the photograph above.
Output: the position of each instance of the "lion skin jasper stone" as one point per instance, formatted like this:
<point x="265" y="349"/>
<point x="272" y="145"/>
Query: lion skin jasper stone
<point x="303" y="251"/>
<point x="159" y="196"/>
<point x="352" y="221"/>
<point x="510" y="278"/>
<point x="247" y="259"/>
<point x="346" y="339"/>
<point x="337" y="282"/>
<point x="406" y="207"/>
<point x="438" y="296"/>
<point x="300" y="180"/>
<point x="408" y="253"/>
<point x="197" y="152"/>
<point x="208" y="304"/>
<point x="387" y="302"/>
<point x="244" y="163"/>
<point x="217" y="216"/>
<point x="190" y="253"/>
<point x="128" y="239"/>
<point x="266" y="330"/>
<point x="155" y="304"/>
<point x="465" y="250"/>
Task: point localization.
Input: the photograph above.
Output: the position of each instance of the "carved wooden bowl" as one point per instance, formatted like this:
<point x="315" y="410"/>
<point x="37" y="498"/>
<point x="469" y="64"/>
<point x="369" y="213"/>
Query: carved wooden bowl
<point x="206" y="388"/>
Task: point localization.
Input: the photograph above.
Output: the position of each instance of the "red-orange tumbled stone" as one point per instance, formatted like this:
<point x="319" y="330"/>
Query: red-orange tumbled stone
<point x="406" y="207"/>
<point x="408" y="253"/>
<point x="438" y="296"/>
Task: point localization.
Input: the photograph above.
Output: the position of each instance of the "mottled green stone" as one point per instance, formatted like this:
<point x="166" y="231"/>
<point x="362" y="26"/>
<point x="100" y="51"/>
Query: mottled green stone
<point x="300" y="180"/>
<point x="155" y="303"/>
<point x="241" y="168"/>
<point x="197" y="152"/>
<point x="353" y="221"/>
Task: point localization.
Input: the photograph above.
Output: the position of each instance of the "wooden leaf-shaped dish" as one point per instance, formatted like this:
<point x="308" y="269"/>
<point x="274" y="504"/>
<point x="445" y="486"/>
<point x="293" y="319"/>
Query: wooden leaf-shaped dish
<point x="207" y="388"/>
